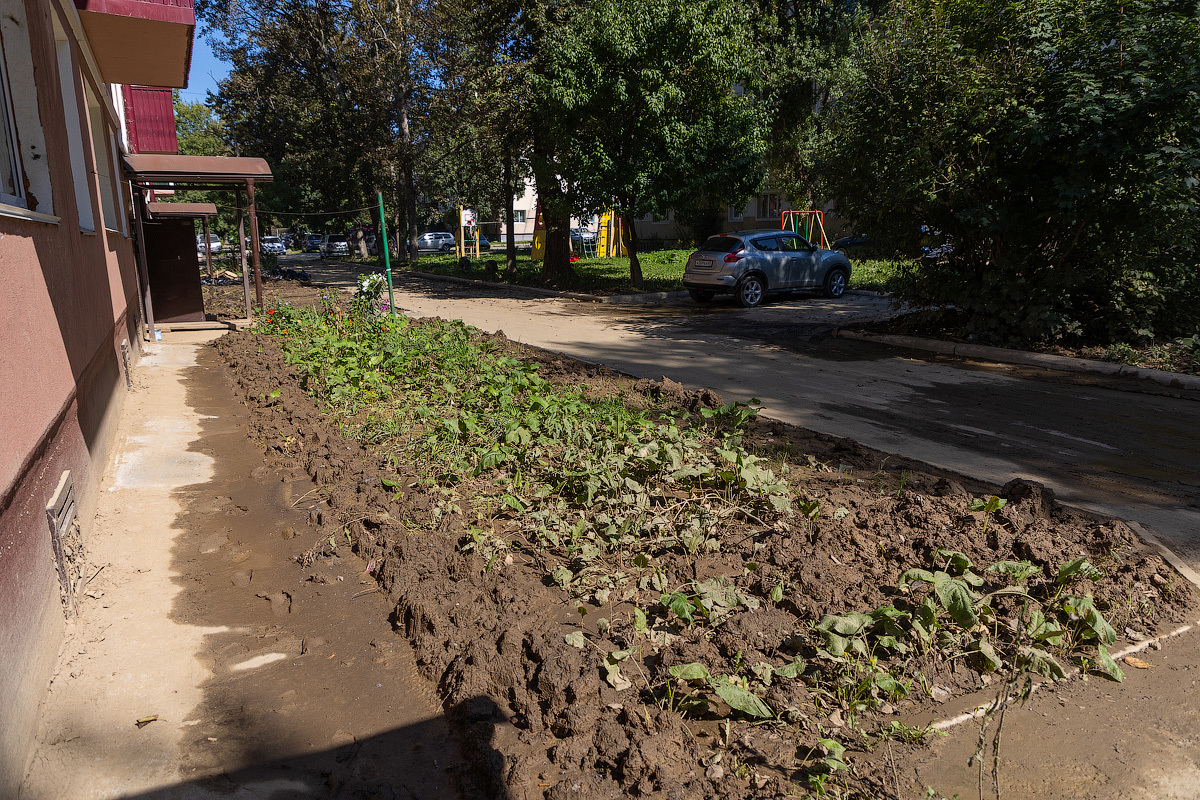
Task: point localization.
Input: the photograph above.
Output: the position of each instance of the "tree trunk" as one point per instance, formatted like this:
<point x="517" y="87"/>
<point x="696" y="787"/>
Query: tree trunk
<point x="510" y="236"/>
<point x="631" y="245"/>
<point x="557" y="262"/>
<point x="410" y="194"/>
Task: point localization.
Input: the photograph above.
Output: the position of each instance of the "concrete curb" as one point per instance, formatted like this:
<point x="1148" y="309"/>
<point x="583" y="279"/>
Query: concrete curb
<point x="1006" y="355"/>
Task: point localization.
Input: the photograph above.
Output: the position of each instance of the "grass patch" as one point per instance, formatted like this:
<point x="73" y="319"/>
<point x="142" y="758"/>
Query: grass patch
<point x="662" y="271"/>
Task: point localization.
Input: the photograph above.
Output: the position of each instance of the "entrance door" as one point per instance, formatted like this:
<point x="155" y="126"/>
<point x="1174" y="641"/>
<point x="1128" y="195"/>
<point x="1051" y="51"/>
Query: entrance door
<point x="174" y="271"/>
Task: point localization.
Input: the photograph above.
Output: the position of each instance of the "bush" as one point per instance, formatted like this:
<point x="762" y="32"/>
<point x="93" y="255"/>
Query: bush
<point x="1056" y="144"/>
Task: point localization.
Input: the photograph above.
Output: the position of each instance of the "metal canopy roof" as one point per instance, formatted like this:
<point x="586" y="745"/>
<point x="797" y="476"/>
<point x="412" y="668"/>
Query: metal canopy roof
<point x="159" y="210"/>
<point x="227" y="172"/>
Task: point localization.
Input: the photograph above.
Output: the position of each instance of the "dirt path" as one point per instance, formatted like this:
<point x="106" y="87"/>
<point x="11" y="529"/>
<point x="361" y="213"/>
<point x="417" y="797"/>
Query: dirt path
<point x="268" y="680"/>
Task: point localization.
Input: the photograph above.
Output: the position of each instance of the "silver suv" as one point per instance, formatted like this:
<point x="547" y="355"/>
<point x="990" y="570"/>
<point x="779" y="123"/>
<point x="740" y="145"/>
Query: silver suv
<point x="335" y="245"/>
<point x="751" y="264"/>
<point x="436" y="240"/>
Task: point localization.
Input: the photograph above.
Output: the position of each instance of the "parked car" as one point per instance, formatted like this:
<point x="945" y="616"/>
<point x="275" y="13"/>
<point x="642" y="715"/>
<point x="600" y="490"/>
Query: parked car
<point x="312" y="243"/>
<point x="851" y="245"/>
<point x="214" y="243"/>
<point x="271" y="245"/>
<point x="753" y="264"/>
<point x="335" y="244"/>
<point x="436" y="240"/>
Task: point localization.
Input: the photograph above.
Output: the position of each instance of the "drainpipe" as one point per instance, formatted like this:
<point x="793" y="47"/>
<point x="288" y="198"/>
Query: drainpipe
<point x="207" y="249"/>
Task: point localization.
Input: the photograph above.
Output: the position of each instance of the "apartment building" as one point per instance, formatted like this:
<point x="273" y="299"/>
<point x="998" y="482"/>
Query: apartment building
<point x="71" y="325"/>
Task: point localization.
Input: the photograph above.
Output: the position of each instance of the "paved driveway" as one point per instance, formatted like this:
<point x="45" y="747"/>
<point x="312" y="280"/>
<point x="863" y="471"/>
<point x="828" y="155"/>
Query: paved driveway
<point x="1131" y="454"/>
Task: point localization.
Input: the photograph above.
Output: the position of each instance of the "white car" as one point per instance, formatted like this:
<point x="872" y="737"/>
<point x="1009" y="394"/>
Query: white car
<point x="436" y="240"/>
<point x="214" y="243"/>
<point x="272" y="245"/>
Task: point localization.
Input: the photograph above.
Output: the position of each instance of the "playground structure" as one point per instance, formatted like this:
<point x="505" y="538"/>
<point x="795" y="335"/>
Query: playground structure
<point x="807" y="223"/>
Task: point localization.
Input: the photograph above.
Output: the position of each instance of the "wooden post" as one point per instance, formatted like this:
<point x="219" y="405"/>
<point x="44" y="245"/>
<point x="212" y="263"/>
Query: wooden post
<point x="139" y="213"/>
<point x="241" y="234"/>
<point x="207" y="249"/>
<point x="254" y="245"/>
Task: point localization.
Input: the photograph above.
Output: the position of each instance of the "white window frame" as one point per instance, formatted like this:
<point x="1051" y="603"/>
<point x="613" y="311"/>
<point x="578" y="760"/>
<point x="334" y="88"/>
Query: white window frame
<point x="10" y="138"/>
<point x="70" y="100"/>
<point x="519" y="216"/>
<point x="737" y="215"/>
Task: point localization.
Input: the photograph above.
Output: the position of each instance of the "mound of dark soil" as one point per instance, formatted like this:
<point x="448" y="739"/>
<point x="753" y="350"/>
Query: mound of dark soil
<point x="537" y="715"/>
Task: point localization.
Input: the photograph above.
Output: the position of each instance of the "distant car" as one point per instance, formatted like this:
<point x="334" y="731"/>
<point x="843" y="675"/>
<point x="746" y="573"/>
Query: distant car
<point x="850" y="245"/>
<point x="312" y="243"/>
<point x="436" y="240"/>
<point x="752" y="264"/>
<point x="272" y="245"/>
<point x="335" y="245"/>
<point x="214" y="243"/>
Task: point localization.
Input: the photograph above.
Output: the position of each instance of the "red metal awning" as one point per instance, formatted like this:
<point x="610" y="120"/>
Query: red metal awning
<point x="140" y="41"/>
<point x="153" y="170"/>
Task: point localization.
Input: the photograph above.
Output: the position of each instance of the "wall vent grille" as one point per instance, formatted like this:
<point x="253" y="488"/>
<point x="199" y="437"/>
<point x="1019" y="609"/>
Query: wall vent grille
<point x="68" y="543"/>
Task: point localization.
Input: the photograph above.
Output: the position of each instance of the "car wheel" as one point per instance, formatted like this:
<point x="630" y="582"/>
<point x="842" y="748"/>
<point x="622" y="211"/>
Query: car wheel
<point x="446" y="248"/>
<point x="751" y="291"/>
<point x="700" y="296"/>
<point x="835" y="283"/>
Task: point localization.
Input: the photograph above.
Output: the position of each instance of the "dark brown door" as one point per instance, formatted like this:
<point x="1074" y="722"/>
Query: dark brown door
<point x="174" y="271"/>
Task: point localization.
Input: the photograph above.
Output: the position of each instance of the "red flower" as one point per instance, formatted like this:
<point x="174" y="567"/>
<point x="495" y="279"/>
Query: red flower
<point x="272" y="311"/>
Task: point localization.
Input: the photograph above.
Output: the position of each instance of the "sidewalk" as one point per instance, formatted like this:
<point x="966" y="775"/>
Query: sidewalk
<point x="265" y="680"/>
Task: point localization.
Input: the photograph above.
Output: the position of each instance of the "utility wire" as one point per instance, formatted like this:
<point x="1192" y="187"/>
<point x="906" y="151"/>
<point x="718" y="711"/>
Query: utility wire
<point x="303" y="213"/>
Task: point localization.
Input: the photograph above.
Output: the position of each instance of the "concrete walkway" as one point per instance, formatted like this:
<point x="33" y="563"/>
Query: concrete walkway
<point x="264" y="680"/>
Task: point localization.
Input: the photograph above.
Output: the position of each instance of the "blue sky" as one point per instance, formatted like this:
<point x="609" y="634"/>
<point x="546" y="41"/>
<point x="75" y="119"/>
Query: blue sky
<point x="206" y="71"/>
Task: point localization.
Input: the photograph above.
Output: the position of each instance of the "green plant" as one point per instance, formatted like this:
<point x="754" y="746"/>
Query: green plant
<point x="988" y="506"/>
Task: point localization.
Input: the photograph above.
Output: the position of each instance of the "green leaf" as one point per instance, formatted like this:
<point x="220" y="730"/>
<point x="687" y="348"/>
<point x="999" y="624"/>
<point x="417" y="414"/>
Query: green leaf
<point x="514" y="503"/>
<point x="1108" y="667"/>
<point x="562" y="576"/>
<point x="1080" y="567"/>
<point x="953" y="559"/>
<point x="956" y="598"/>
<point x="915" y="575"/>
<point x="792" y="670"/>
<point x="680" y="604"/>
<point x="1019" y="570"/>
<point x="639" y="620"/>
<point x="694" y="671"/>
<point x="744" y="701"/>
<point x="575" y="639"/>
<point x="777" y="594"/>
<point x="987" y="654"/>
<point x="1040" y="662"/>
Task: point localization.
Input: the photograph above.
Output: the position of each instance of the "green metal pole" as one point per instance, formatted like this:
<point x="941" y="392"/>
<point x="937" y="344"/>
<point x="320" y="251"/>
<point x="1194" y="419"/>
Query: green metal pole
<point x="387" y="262"/>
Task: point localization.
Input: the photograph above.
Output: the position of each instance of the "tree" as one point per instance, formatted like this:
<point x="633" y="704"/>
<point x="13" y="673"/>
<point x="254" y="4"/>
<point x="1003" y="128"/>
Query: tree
<point x="1058" y="146"/>
<point x="643" y="95"/>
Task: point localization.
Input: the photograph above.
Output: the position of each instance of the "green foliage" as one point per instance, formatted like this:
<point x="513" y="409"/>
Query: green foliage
<point x="1057" y="144"/>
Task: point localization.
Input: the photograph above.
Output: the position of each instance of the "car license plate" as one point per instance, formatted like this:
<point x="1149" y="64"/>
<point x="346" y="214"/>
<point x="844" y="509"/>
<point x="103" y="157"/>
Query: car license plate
<point x="703" y="262"/>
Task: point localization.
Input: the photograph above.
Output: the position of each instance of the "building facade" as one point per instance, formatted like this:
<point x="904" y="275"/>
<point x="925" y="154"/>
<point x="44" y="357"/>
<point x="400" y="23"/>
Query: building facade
<point x="71" y="318"/>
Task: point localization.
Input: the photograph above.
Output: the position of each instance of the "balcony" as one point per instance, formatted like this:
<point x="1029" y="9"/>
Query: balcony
<point x="147" y="42"/>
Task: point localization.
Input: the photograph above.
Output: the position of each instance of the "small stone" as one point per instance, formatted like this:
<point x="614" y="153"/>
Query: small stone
<point x="715" y="772"/>
<point x="835" y="719"/>
<point x="242" y="578"/>
<point x="310" y="644"/>
<point x="1156" y="645"/>
<point x="887" y="708"/>
<point x="1158" y="580"/>
<point x="940" y="693"/>
<point x="288" y="533"/>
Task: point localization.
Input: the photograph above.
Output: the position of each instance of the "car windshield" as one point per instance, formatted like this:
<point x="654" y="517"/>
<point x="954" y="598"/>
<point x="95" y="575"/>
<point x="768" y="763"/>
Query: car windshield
<point x="337" y="239"/>
<point x="721" y="244"/>
<point x="270" y="239"/>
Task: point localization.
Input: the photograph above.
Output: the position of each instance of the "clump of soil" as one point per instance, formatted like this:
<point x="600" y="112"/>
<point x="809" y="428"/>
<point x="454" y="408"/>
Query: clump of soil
<point x="540" y="717"/>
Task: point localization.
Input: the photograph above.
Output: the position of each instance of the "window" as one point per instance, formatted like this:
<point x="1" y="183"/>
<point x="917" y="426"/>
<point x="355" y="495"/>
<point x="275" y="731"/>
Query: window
<point x="769" y="206"/>
<point x="770" y="245"/>
<point x="793" y="243"/>
<point x="66" y="83"/>
<point x="736" y="215"/>
<point x="24" y="168"/>
<point x="519" y="216"/>
<point x="102" y="153"/>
